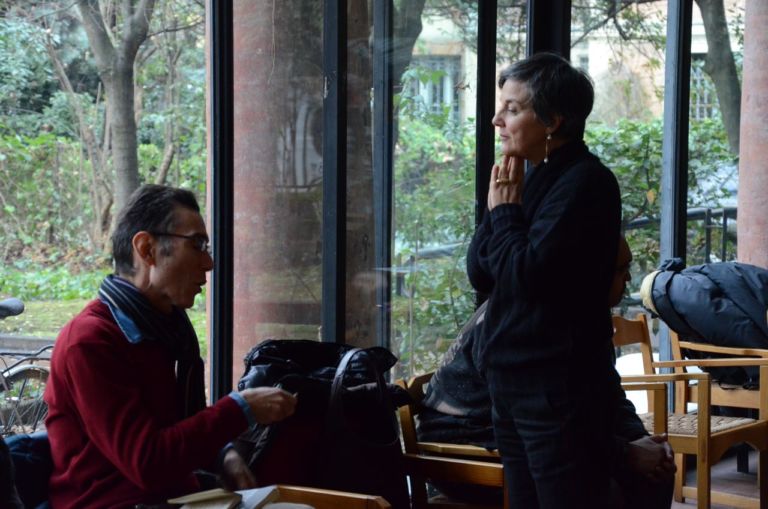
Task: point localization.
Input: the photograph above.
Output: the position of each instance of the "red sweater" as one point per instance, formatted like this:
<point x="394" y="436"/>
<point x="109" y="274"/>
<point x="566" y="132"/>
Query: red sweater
<point x="116" y="438"/>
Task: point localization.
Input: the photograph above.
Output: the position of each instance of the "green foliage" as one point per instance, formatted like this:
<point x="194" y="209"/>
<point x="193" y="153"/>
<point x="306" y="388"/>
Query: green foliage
<point x="30" y="282"/>
<point x="47" y="181"/>
<point x="25" y="74"/>
<point x="434" y="190"/>
<point x="434" y="193"/>
<point x="46" y="201"/>
<point x="633" y="151"/>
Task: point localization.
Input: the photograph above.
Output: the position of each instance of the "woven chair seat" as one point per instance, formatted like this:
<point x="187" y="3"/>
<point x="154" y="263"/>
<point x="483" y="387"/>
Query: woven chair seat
<point x="685" y="424"/>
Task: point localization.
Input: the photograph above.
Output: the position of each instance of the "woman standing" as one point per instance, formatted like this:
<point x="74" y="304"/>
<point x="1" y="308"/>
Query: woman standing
<point x="545" y="255"/>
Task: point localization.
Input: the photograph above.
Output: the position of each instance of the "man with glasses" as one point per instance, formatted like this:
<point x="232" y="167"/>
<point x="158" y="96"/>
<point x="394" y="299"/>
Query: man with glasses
<point x="128" y="422"/>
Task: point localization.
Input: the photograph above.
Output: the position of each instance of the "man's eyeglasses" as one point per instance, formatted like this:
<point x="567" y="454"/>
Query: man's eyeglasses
<point x="199" y="242"/>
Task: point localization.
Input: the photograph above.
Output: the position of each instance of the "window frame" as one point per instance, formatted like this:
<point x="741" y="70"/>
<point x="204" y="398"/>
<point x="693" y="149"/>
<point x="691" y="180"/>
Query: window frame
<point x="548" y="28"/>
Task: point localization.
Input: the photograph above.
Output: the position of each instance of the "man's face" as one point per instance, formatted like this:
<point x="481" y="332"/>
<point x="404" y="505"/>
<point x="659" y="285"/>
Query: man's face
<point x="180" y="272"/>
<point x="522" y="133"/>
<point x="621" y="276"/>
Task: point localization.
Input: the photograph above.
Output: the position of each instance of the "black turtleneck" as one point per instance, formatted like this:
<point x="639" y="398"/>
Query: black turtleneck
<point x="546" y="266"/>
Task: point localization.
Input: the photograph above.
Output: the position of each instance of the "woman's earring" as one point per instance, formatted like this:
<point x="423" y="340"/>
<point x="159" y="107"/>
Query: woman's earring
<point x="546" y="148"/>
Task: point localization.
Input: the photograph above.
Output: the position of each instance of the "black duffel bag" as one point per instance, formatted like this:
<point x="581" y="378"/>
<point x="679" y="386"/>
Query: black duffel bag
<point x="344" y="434"/>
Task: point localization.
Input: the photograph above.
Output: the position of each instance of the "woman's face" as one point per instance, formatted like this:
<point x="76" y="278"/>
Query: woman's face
<point x="522" y="133"/>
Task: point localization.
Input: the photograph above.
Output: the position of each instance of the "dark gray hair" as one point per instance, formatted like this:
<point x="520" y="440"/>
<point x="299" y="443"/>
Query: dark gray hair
<point x="557" y="89"/>
<point x="150" y="208"/>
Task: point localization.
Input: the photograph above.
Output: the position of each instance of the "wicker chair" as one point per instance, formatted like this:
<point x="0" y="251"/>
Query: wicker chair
<point x="471" y="464"/>
<point x="701" y="434"/>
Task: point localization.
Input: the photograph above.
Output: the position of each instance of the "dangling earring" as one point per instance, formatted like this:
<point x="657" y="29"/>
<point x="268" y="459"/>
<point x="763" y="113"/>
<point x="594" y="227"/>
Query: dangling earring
<point x="546" y="148"/>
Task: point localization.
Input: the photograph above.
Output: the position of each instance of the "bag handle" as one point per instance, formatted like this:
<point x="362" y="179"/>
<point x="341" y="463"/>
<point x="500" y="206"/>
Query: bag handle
<point x="335" y="400"/>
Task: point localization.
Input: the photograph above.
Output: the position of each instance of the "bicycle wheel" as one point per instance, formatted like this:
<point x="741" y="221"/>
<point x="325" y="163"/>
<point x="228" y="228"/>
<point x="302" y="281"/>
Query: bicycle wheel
<point x="22" y="409"/>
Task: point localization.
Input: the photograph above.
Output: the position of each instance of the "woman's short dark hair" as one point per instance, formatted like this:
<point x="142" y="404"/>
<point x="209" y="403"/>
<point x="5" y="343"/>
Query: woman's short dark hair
<point x="557" y="89"/>
<point x="150" y="208"/>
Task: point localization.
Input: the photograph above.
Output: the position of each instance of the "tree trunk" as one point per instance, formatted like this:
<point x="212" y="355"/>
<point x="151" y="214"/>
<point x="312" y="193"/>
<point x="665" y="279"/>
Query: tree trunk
<point x="721" y="67"/>
<point x="123" y="128"/>
<point x="115" y="67"/>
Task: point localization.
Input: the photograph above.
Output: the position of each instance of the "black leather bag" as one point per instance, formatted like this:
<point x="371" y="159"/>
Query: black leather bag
<point x="344" y="434"/>
<point x="361" y="450"/>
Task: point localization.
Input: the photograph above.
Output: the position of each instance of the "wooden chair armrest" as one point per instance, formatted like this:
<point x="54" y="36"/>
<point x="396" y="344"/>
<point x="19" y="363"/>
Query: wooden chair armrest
<point x="644" y="386"/>
<point x="667" y="377"/>
<point x="727" y="350"/>
<point x="464" y="450"/>
<point x="713" y="363"/>
<point x="484" y="473"/>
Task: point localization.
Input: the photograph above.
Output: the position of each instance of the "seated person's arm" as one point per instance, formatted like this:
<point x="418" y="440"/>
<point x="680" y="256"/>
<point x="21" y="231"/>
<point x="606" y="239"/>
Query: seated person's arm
<point x="130" y="436"/>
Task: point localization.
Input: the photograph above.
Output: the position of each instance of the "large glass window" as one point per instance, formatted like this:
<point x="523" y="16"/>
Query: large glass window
<point x="434" y="177"/>
<point x="434" y="168"/>
<point x="74" y="143"/>
<point x="717" y="46"/>
<point x="278" y="119"/>
<point x="624" y="51"/>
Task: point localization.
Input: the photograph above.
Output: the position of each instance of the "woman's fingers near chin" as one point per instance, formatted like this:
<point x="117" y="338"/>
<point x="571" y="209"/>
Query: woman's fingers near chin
<point x="515" y="169"/>
<point x="506" y="161"/>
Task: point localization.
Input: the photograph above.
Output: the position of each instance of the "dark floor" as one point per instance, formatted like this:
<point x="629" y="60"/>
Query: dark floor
<point x="725" y="477"/>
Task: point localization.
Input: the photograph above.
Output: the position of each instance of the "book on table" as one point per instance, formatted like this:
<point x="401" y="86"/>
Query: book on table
<point x="218" y="498"/>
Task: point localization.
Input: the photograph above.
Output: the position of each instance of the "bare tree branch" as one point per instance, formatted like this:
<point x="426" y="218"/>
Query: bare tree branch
<point x="137" y="27"/>
<point x="96" y="30"/>
<point x="179" y="28"/>
<point x="165" y="166"/>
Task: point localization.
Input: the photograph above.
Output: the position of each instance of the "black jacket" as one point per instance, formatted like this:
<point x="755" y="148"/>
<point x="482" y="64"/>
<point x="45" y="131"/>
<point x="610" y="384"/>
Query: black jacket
<point x="546" y="266"/>
<point x="722" y="304"/>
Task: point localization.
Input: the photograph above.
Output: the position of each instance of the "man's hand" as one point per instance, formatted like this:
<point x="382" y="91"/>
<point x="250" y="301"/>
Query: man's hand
<point x="235" y="474"/>
<point x="269" y="404"/>
<point x="652" y="457"/>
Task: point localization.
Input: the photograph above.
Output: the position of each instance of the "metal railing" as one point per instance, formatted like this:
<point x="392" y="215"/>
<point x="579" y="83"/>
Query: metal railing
<point x="713" y="218"/>
<point x="709" y="216"/>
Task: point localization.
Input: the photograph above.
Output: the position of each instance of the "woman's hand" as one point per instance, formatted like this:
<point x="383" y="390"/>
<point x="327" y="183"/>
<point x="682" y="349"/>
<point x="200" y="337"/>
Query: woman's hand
<point x="506" y="184"/>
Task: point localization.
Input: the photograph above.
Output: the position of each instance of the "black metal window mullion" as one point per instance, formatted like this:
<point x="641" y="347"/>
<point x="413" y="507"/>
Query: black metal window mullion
<point x="222" y="201"/>
<point x="334" y="169"/>
<point x="383" y="163"/>
<point x="486" y="97"/>
<point x="549" y="27"/>
<point x="674" y="174"/>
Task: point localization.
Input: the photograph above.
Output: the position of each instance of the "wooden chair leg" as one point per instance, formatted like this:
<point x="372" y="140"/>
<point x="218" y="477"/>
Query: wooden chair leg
<point x="762" y="478"/>
<point x="742" y="458"/>
<point x="419" y="497"/>
<point x="703" y="480"/>
<point x="679" y="478"/>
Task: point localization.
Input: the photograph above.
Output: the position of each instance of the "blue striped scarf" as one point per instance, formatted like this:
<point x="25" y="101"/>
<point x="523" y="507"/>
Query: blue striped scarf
<point x="140" y="321"/>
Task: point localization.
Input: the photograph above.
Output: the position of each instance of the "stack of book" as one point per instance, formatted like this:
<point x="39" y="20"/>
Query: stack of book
<point x="257" y="498"/>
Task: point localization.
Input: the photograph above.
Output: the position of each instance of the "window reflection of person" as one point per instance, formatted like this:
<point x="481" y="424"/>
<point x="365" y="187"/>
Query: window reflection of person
<point x="544" y="255"/>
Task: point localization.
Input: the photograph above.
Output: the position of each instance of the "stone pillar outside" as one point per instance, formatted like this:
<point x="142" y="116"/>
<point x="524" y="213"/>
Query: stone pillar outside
<point x="753" y="166"/>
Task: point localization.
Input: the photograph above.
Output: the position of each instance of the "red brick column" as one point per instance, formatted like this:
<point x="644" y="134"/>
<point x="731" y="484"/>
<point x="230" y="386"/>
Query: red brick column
<point x="753" y="166"/>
